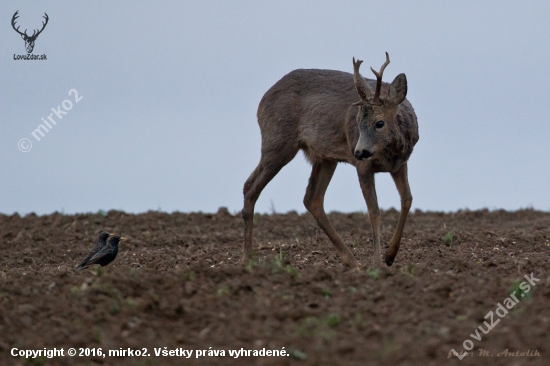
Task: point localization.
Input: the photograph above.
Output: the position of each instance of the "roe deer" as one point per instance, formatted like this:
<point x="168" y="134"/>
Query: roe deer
<point x="316" y="111"/>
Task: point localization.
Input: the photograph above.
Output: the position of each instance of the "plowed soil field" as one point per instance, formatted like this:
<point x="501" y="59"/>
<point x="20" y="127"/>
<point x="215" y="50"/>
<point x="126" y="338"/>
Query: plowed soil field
<point x="176" y="285"/>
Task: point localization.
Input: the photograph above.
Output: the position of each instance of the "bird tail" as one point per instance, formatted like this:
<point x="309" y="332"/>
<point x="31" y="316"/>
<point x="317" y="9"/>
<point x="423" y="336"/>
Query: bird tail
<point x="81" y="267"/>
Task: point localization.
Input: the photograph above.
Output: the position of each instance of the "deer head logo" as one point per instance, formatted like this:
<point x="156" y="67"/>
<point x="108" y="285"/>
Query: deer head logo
<point x="29" y="40"/>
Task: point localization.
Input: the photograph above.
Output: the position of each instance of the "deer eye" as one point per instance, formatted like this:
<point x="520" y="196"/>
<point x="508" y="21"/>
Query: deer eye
<point x="379" y="124"/>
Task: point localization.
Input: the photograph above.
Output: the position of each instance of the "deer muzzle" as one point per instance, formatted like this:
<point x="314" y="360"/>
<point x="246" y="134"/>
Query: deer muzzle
<point x="362" y="154"/>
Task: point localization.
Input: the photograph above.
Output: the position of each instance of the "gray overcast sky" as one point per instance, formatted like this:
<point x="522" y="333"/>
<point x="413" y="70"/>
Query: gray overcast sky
<point x="169" y="90"/>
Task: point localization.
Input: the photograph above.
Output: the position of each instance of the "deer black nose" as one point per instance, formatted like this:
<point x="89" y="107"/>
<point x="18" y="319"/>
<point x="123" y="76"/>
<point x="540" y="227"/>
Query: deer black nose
<point x="363" y="154"/>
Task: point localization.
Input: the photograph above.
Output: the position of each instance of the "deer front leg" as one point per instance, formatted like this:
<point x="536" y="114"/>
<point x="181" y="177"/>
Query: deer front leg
<point x="400" y="177"/>
<point x="366" y="179"/>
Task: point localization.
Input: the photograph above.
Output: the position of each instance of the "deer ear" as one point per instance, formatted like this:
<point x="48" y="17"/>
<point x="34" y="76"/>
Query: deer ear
<point x="398" y="90"/>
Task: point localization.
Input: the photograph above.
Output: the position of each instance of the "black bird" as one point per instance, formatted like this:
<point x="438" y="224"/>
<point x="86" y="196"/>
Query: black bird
<point x="107" y="254"/>
<point x="101" y="242"/>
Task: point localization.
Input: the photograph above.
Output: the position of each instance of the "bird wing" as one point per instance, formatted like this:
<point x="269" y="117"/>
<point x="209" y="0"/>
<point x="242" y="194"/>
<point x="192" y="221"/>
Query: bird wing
<point x="91" y="253"/>
<point x="107" y="250"/>
<point x="96" y="248"/>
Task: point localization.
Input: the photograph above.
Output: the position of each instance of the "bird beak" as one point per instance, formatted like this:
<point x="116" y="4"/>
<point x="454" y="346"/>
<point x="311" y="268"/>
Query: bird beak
<point x="111" y="234"/>
<point x="122" y="238"/>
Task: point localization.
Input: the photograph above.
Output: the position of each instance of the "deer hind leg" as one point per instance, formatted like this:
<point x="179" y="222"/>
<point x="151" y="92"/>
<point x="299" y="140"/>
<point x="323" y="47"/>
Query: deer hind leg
<point x="366" y="180"/>
<point x="270" y="164"/>
<point x="321" y="175"/>
<point x="400" y="177"/>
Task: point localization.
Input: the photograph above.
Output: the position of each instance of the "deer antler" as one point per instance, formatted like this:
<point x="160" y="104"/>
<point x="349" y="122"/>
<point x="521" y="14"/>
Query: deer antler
<point x="34" y="34"/>
<point x="15" y="16"/>
<point x="360" y="83"/>
<point x="379" y="78"/>
<point x="43" y="25"/>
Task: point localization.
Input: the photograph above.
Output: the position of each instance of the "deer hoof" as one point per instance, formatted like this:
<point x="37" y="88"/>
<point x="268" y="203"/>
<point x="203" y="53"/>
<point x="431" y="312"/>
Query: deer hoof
<point x="350" y="261"/>
<point x="245" y="261"/>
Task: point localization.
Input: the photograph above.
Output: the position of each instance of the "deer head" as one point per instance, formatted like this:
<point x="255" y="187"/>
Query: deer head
<point x="376" y="115"/>
<point x="29" y="40"/>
